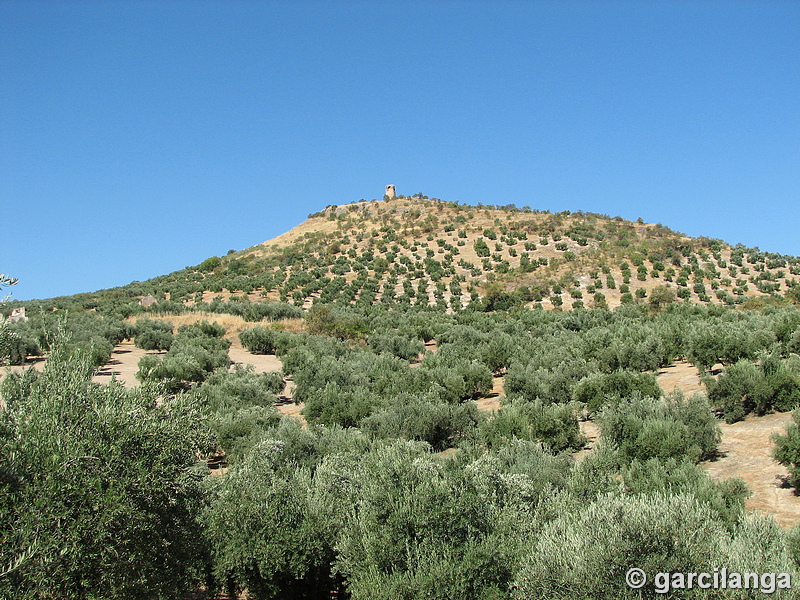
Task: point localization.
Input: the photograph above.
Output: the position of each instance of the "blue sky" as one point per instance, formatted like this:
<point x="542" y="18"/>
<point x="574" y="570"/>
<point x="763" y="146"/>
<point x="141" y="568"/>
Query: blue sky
<point x="137" y="138"/>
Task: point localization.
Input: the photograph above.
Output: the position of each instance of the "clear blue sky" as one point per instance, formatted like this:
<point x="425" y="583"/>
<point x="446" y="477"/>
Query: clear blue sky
<point x="137" y="138"/>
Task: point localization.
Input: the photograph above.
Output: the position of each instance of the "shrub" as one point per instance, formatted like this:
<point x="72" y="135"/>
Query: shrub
<point x="224" y="392"/>
<point x="745" y="387"/>
<point x="481" y="247"/>
<point x="555" y="425"/>
<point x="598" y="544"/>
<point x="396" y="345"/>
<point x="253" y="311"/>
<point x="258" y="340"/>
<point x="197" y="351"/>
<point x="436" y="543"/>
<point x="787" y="449"/>
<point x="267" y="529"/>
<point x="418" y="418"/>
<point x="210" y="264"/>
<point x="325" y="320"/>
<point x="98" y="490"/>
<point x="595" y="390"/>
<point x="726" y="342"/>
<point x="96" y="348"/>
<point x="661" y="297"/>
<point x="239" y="431"/>
<point x="644" y="428"/>
<point x="152" y="334"/>
<point x="15" y="344"/>
<point x="681" y="476"/>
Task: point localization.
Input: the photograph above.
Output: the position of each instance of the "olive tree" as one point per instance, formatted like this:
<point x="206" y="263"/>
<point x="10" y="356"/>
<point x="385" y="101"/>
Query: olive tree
<point x="99" y="487"/>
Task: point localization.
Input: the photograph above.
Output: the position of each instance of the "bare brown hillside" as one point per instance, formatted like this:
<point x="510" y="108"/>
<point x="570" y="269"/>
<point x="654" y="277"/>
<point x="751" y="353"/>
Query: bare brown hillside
<point x="419" y="250"/>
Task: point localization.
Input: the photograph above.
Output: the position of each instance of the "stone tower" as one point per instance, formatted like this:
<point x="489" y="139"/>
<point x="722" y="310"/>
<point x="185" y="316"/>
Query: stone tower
<point x="389" y="191"/>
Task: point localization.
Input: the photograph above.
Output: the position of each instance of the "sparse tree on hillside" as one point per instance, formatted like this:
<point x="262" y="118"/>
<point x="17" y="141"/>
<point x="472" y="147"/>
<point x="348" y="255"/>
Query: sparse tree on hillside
<point x="661" y="297"/>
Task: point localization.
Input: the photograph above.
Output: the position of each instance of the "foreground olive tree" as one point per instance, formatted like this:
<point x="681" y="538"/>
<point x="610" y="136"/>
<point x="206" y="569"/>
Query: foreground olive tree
<point x="6" y="335"/>
<point x="98" y="487"/>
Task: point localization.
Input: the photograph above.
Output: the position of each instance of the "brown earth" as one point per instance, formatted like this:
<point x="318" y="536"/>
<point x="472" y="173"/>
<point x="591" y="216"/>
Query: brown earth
<point x="493" y="399"/>
<point x="37" y="362"/>
<point x="591" y="432"/>
<point x="261" y="363"/>
<point x="683" y="376"/>
<point x="123" y="364"/>
<point x="419" y="221"/>
<point x="745" y="451"/>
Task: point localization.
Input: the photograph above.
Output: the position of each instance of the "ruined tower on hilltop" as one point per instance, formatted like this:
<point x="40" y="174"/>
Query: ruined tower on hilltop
<point x="390" y="191"/>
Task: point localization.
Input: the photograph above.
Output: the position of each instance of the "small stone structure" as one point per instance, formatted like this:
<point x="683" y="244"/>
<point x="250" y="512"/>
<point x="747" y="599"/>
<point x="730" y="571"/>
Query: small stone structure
<point x="390" y="191"/>
<point x="18" y="314"/>
<point x="148" y="300"/>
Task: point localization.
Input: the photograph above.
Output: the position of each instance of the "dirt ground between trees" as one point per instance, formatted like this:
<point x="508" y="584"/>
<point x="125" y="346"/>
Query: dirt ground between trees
<point x="745" y="451"/>
<point x="123" y="364"/>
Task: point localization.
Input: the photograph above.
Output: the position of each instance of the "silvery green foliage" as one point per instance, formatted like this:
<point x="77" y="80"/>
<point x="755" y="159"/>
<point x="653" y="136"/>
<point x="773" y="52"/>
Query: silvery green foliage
<point x="787" y="448"/>
<point x="258" y="340"/>
<point x="419" y="530"/>
<point x="273" y="519"/>
<point x="425" y="418"/>
<point x="8" y="340"/>
<point x="99" y="487"/>
<point x="659" y="533"/>
<point x="676" y="427"/>
<point x="260" y="528"/>
<point x="586" y="553"/>
<point x="759" y="545"/>
<point x="555" y="425"/>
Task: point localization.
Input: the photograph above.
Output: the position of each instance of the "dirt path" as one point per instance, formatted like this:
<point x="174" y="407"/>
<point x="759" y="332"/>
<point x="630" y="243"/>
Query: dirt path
<point x="746" y="449"/>
<point x="681" y="375"/>
<point x="492" y="400"/>
<point x="268" y="363"/>
<point x="746" y="452"/>
<point x="35" y="362"/>
<point x="591" y="432"/>
<point x="123" y="364"/>
<point x="262" y="363"/>
<point x="286" y="405"/>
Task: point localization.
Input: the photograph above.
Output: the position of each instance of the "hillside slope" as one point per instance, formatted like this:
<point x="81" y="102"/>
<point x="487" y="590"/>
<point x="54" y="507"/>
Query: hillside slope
<point x="415" y="250"/>
<point x="421" y="251"/>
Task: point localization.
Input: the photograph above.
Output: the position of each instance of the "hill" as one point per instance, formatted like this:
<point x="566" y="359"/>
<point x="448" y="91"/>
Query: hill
<point x="421" y="251"/>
